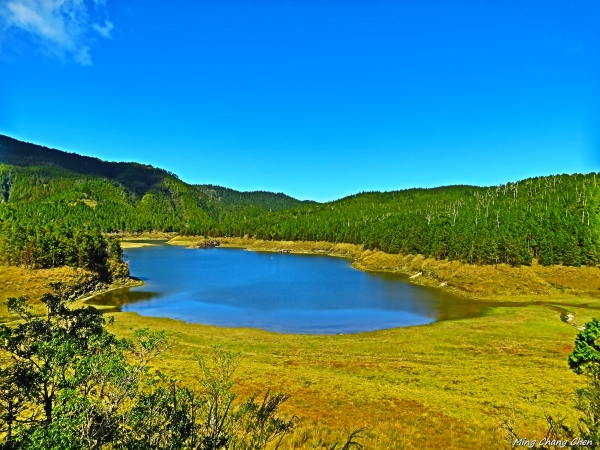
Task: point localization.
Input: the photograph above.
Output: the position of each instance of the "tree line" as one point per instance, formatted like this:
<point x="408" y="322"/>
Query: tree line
<point x="554" y="219"/>
<point x="46" y="245"/>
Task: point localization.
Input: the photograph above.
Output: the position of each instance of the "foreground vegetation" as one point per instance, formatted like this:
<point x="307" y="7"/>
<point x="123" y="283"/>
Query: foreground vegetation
<point x="451" y="384"/>
<point x="70" y="384"/>
<point x="446" y="385"/>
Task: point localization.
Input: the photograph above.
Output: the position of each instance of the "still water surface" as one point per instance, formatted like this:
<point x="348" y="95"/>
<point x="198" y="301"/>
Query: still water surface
<point x="278" y="292"/>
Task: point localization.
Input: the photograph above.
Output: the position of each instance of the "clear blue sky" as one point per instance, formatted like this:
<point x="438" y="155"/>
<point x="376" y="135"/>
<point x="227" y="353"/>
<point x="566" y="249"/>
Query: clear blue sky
<point x="318" y="99"/>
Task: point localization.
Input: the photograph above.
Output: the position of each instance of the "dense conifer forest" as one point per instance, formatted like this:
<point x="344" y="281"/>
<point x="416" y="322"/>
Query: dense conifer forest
<point x="260" y="200"/>
<point x="554" y="219"/>
<point x="50" y="199"/>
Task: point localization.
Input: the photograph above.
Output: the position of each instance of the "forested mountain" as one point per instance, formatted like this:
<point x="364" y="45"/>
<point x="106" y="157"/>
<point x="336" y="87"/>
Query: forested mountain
<point x="554" y="219"/>
<point x="266" y="200"/>
<point x="80" y="190"/>
<point x="48" y="196"/>
<point x="136" y="178"/>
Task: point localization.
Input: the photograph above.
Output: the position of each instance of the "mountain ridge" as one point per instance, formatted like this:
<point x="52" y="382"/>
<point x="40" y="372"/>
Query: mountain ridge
<point x="31" y="172"/>
<point x="555" y="219"/>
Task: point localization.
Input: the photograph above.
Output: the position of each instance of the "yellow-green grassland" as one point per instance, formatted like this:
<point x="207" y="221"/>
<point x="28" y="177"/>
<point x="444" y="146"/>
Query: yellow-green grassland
<point x="447" y="385"/>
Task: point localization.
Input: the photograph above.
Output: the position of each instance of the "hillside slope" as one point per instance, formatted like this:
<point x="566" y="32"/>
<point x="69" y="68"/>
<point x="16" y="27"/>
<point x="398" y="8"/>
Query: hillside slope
<point x="238" y="200"/>
<point x="114" y="196"/>
<point x="555" y="219"/>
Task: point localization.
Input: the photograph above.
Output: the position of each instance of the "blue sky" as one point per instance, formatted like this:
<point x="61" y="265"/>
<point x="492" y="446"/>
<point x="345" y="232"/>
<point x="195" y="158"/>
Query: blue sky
<point x="318" y="99"/>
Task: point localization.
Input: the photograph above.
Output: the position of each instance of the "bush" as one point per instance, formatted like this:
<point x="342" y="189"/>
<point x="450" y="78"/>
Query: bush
<point x="71" y="384"/>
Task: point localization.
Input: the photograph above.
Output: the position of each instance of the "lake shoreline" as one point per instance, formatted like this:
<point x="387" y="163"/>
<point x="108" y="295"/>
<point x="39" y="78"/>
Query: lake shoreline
<point x="367" y="261"/>
<point x="492" y="283"/>
<point x="293" y="294"/>
<point x="423" y="372"/>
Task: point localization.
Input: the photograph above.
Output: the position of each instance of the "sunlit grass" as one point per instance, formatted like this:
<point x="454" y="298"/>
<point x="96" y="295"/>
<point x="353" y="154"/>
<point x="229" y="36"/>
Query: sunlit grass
<point x="15" y="281"/>
<point x="444" y="385"/>
<point x="133" y="244"/>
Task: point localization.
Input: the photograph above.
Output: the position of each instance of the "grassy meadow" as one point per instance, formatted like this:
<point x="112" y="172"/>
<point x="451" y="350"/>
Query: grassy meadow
<point x="15" y="281"/>
<point x="445" y="385"/>
<point x="449" y="384"/>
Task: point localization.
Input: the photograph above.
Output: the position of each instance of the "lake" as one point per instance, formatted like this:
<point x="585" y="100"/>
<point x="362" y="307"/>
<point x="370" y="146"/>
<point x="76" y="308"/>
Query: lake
<point x="278" y="292"/>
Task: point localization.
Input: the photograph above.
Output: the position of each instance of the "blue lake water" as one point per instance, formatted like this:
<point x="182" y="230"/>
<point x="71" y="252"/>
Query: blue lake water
<point x="277" y="292"/>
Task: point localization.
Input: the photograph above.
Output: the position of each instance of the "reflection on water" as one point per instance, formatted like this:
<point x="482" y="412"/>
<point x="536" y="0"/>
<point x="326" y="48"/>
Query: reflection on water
<point x="120" y="297"/>
<point x="278" y="292"/>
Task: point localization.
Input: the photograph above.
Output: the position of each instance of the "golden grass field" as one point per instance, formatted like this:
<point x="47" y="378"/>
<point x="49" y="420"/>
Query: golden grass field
<point x="445" y="385"/>
<point x="15" y="281"/>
